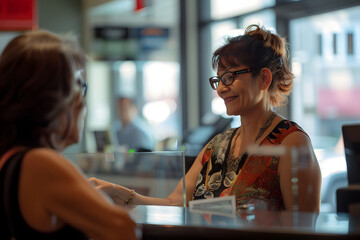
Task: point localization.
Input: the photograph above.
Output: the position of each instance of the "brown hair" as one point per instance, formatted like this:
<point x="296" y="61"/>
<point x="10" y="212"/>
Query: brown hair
<point x="259" y="48"/>
<point x="37" y="86"/>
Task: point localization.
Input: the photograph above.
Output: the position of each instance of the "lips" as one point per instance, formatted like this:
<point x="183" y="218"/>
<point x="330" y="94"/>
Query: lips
<point x="229" y="99"/>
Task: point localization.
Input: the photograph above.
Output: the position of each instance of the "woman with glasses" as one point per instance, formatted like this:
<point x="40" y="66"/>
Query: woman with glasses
<point x="42" y="105"/>
<point x="253" y="78"/>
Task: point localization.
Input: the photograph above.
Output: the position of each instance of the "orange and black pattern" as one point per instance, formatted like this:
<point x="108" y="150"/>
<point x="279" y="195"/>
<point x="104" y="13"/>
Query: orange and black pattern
<point x="252" y="179"/>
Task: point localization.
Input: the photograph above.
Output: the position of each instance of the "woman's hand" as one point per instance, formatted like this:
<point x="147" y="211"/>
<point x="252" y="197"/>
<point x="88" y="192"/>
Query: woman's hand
<point x="107" y="187"/>
<point x="117" y="193"/>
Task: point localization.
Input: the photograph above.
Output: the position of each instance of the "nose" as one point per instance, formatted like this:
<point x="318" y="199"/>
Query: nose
<point x="222" y="88"/>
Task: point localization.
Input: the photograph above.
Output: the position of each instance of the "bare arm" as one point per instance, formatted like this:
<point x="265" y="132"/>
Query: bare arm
<point x="309" y="175"/>
<point x="61" y="195"/>
<point x="120" y="194"/>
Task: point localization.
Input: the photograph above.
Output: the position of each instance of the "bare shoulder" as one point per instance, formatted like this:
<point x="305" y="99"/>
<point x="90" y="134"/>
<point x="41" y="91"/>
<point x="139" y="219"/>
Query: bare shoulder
<point x="47" y="161"/>
<point x="42" y="153"/>
<point x="297" y="138"/>
<point x="45" y="155"/>
<point x="302" y="142"/>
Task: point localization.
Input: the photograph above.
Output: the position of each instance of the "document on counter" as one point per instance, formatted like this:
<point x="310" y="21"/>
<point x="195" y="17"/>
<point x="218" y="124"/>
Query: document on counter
<point x="220" y="205"/>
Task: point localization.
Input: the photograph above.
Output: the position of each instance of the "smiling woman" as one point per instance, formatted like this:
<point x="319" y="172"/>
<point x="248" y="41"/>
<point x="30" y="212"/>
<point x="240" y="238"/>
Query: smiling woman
<point x="253" y="78"/>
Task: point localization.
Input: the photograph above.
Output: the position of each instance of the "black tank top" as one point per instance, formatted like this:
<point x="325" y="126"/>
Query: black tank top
<point x="11" y="219"/>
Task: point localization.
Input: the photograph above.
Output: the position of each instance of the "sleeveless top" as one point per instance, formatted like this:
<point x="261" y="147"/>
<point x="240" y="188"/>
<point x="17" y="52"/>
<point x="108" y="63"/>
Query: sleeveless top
<point x="252" y="179"/>
<point x="11" y="219"/>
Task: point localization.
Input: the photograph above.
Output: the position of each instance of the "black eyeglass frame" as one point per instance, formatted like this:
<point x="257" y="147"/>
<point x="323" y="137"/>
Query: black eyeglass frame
<point x="81" y="82"/>
<point x="84" y="85"/>
<point x="215" y="79"/>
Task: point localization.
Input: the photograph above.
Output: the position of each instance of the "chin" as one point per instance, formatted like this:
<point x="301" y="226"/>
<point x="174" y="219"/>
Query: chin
<point x="232" y="113"/>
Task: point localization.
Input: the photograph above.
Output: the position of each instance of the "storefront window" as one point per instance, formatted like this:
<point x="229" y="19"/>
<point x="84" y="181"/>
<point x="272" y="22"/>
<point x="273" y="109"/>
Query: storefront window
<point x="326" y="62"/>
<point x="326" y="93"/>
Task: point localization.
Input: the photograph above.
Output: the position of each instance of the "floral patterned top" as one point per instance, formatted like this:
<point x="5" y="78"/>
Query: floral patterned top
<point x="252" y="179"/>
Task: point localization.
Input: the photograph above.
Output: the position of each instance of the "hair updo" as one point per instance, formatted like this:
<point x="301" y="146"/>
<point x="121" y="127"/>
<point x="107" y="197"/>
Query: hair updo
<point x="259" y="48"/>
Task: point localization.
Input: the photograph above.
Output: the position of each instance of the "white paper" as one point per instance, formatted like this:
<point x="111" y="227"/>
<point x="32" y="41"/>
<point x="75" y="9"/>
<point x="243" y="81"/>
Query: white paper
<point x="220" y="205"/>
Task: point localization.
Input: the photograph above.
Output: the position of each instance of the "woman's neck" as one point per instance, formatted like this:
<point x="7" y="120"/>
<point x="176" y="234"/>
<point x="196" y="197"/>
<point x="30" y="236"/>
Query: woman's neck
<point x="253" y="121"/>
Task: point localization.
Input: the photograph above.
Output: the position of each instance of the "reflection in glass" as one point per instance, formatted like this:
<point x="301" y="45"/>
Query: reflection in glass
<point x="172" y="215"/>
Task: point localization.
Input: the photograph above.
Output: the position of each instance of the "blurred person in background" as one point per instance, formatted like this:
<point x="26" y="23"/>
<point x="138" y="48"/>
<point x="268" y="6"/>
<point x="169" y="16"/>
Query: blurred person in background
<point x="132" y="132"/>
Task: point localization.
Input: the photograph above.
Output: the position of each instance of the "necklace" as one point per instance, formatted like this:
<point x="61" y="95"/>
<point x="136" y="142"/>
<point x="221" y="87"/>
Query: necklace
<point x="232" y="160"/>
<point x="235" y="163"/>
<point x="232" y="149"/>
<point x="266" y="125"/>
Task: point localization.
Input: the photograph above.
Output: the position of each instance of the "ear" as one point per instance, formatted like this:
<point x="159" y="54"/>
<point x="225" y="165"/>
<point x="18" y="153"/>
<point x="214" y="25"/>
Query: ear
<point x="265" y="78"/>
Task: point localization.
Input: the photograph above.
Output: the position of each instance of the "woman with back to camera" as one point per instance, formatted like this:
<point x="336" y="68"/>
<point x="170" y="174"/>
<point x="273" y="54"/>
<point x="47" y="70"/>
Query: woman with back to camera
<point x="42" y="105"/>
<point x="253" y="77"/>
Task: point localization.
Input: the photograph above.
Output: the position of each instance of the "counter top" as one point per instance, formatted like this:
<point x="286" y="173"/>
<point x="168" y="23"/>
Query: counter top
<point x="169" y="222"/>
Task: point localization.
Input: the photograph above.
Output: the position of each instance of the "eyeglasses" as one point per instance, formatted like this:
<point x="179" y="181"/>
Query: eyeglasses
<point x="81" y="82"/>
<point x="226" y="78"/>
<point x="83" y="85"/>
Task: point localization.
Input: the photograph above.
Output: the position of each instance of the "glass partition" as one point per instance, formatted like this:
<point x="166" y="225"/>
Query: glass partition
<point x="153" y="174"/>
